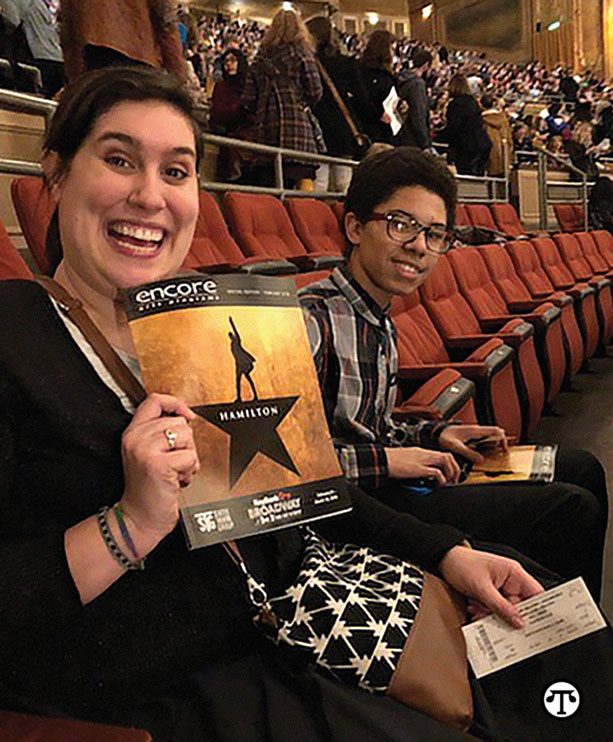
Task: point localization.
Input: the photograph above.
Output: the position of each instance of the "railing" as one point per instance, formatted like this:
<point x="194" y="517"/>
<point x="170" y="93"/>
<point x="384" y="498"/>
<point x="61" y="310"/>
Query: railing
<point x="559" y="191"/>
<point x="471" y="188"/>
<point x="278" y="155"/>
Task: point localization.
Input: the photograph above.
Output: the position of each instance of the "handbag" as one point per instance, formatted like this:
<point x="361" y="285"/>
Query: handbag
<point x="362" y="140"/>
<point x="368" y="619"/>
<point x="372" y="621"/>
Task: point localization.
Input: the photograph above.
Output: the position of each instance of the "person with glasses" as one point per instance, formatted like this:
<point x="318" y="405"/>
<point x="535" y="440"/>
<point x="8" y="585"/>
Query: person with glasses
<point x="399" y="214"/>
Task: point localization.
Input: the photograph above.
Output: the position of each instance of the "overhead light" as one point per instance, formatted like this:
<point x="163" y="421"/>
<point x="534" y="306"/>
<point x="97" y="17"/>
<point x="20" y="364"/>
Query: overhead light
<point x="427" y="11"/>
<point x="553" y="26"/>
<point x="373" y="18"/>
<point x="287" y="6"/>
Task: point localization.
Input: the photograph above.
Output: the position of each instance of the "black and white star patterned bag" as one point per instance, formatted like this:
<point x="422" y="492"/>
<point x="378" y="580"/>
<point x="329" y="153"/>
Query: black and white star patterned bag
<point x="375" y="622"/>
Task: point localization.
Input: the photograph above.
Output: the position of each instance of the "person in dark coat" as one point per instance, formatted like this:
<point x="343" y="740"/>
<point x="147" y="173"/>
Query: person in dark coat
<point x="378" y="78"/>
<point x="345" y="75"/>
<point x="469" y="145"/>
<point x="412" y="88"/>
<point x="227" y="116"/>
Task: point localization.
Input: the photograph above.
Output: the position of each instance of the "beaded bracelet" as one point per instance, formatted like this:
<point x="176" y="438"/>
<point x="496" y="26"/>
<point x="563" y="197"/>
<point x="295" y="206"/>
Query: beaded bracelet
<point x="124" y="531"/>
<point x="112" y="545"/>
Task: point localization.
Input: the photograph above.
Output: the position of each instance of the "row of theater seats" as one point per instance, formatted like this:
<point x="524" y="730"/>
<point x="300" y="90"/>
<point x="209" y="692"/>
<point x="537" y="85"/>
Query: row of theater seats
<point x="253" y="233"/>
<point x="502" y="217"/>
<point x="494" y="332"/>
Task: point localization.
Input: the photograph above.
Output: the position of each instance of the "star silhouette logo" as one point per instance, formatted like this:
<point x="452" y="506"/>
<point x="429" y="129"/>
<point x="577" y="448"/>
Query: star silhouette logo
<point x="252" y="427"/>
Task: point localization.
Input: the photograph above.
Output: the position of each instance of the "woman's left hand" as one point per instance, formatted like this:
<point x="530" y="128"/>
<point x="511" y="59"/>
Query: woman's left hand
<point x="464" y="440"/>
<point x="489" y="581"/>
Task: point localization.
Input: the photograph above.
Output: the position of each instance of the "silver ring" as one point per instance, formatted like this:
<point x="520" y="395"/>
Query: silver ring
<point x="171" y="439"/>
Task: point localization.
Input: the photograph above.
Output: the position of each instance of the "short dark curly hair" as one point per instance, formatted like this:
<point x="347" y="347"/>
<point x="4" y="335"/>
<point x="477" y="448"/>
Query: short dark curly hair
<point x="377" y="178"/>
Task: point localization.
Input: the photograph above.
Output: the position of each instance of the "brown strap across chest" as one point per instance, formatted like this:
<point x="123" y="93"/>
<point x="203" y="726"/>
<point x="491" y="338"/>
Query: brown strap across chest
<point x="73" y="309"/>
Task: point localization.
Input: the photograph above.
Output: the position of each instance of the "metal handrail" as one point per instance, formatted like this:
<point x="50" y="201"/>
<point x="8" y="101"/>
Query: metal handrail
<point x="543" y="184"/>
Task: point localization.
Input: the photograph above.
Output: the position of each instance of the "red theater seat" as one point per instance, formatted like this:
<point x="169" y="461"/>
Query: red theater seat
<point x="454" y="318"/>
<point x="12" y="265"/>
<point x="34" y="207"/>
<point x="592" y="254"/>
<point x="461" y="217"/>
<point x="213" y="250"/>
<point x="570" y="217"/>
<point x="489" y="306"/>
<point x="507" y="220"/>
<point x="262" y="227"/>
<point x="422" y="354"/>
<point x="338" y="207"/>
<point x="604" y="243"/>
<point x="572" y="255"/>
<point x="518" y="299"/>
<point x="561" y="279"/>
<point x="480" y="216"/>
<point x="316" y="225"/>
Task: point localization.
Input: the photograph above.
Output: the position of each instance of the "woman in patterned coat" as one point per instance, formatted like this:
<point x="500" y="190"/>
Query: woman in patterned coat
<point x="282" y="85"/>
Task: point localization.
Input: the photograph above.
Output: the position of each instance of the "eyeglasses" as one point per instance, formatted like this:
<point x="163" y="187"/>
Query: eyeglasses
<point x="404" y="228"/>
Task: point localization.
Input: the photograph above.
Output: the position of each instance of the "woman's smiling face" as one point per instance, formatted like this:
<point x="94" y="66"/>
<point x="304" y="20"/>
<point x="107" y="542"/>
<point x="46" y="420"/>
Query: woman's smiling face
<point x="128" y="202"/>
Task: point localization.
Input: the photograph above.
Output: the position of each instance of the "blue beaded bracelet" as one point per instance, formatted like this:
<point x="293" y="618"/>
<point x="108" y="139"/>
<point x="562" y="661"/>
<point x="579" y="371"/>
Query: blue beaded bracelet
<point x="112" y="545"/>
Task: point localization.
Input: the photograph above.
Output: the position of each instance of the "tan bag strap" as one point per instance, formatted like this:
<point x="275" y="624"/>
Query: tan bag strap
<point x="357" y="135"/>
<point x="73" y="309"/>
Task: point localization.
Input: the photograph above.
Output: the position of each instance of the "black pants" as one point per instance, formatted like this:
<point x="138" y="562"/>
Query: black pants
<point x="561" y="525"/>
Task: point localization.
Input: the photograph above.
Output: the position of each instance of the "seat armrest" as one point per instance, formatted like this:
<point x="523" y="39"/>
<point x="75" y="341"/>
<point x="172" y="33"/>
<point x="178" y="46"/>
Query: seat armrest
<point x="316" y="262"/>
<point x="518" y="307"/>
<point x="269" y="268"/>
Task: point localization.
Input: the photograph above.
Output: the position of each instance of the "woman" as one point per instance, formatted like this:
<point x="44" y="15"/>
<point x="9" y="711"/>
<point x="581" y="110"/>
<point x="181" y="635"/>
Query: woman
<point x="377" y="75"/>
<point x="345" y="75"/>
<point x="469" y="145"/>
<point x="227" y="116"/>
<point x="282" y="87"/>
<point x="171" y="647"/>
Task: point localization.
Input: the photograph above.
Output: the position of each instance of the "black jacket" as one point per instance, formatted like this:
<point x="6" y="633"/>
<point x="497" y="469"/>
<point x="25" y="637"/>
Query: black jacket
<point x="416" y="129"/>
<point x="346" y="77"/>
<point x="465" y="131"/>
<point x="378" y="83"/>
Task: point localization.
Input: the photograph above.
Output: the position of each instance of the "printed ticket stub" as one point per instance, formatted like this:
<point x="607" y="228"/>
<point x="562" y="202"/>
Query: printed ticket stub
<point x="555" y="617"/>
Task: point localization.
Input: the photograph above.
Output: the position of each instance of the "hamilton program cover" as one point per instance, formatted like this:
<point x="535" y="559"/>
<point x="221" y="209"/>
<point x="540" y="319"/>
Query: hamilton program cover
<point x="235" y="348"/>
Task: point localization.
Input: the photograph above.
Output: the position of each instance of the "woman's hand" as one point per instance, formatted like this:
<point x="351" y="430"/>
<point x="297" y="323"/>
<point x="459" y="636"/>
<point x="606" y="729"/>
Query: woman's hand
<point x="417" y="463"/>
<point x="456" y="437"/>
<point x="154" y="469"/>
<point x="489" y="581"/>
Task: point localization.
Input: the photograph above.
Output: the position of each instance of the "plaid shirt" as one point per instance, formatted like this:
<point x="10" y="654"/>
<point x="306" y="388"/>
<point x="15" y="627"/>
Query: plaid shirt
<point x="354" y="346"/>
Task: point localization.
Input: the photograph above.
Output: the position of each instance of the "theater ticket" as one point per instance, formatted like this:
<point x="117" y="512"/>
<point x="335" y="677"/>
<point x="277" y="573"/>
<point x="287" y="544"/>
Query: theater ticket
<point x="553" y="618"/>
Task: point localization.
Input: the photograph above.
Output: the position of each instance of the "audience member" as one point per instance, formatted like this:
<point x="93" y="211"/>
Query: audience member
<point x="227" y="115"/>
<point x="376" y="69"/>
<point x="412" y="89"/>
<point x="345" y="76"/>
<point x="118" y="32"/>
<point x="469" y="145"/>
<point x="498" y="129"/>
<point x="42" y="36"/>
<point x="399" y="214"/>
<point x="283" y="85"/>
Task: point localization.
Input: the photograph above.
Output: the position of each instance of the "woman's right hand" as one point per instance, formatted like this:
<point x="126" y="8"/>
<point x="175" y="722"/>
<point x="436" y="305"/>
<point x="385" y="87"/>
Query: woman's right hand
<point x="154" y="471"/>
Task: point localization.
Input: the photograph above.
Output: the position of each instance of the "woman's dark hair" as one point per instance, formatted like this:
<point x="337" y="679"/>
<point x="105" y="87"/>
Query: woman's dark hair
<point x="93" y="94"/>
<point x="377" y="53"/>
<point x="326" y="41"/>
<point x="241" y="73"/>
<point x="458" y="85"/>
<point x="487" y="101"/>
<point x="377" y="178"/>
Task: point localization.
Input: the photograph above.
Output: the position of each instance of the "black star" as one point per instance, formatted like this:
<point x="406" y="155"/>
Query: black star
<point x="252" y="427"/>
